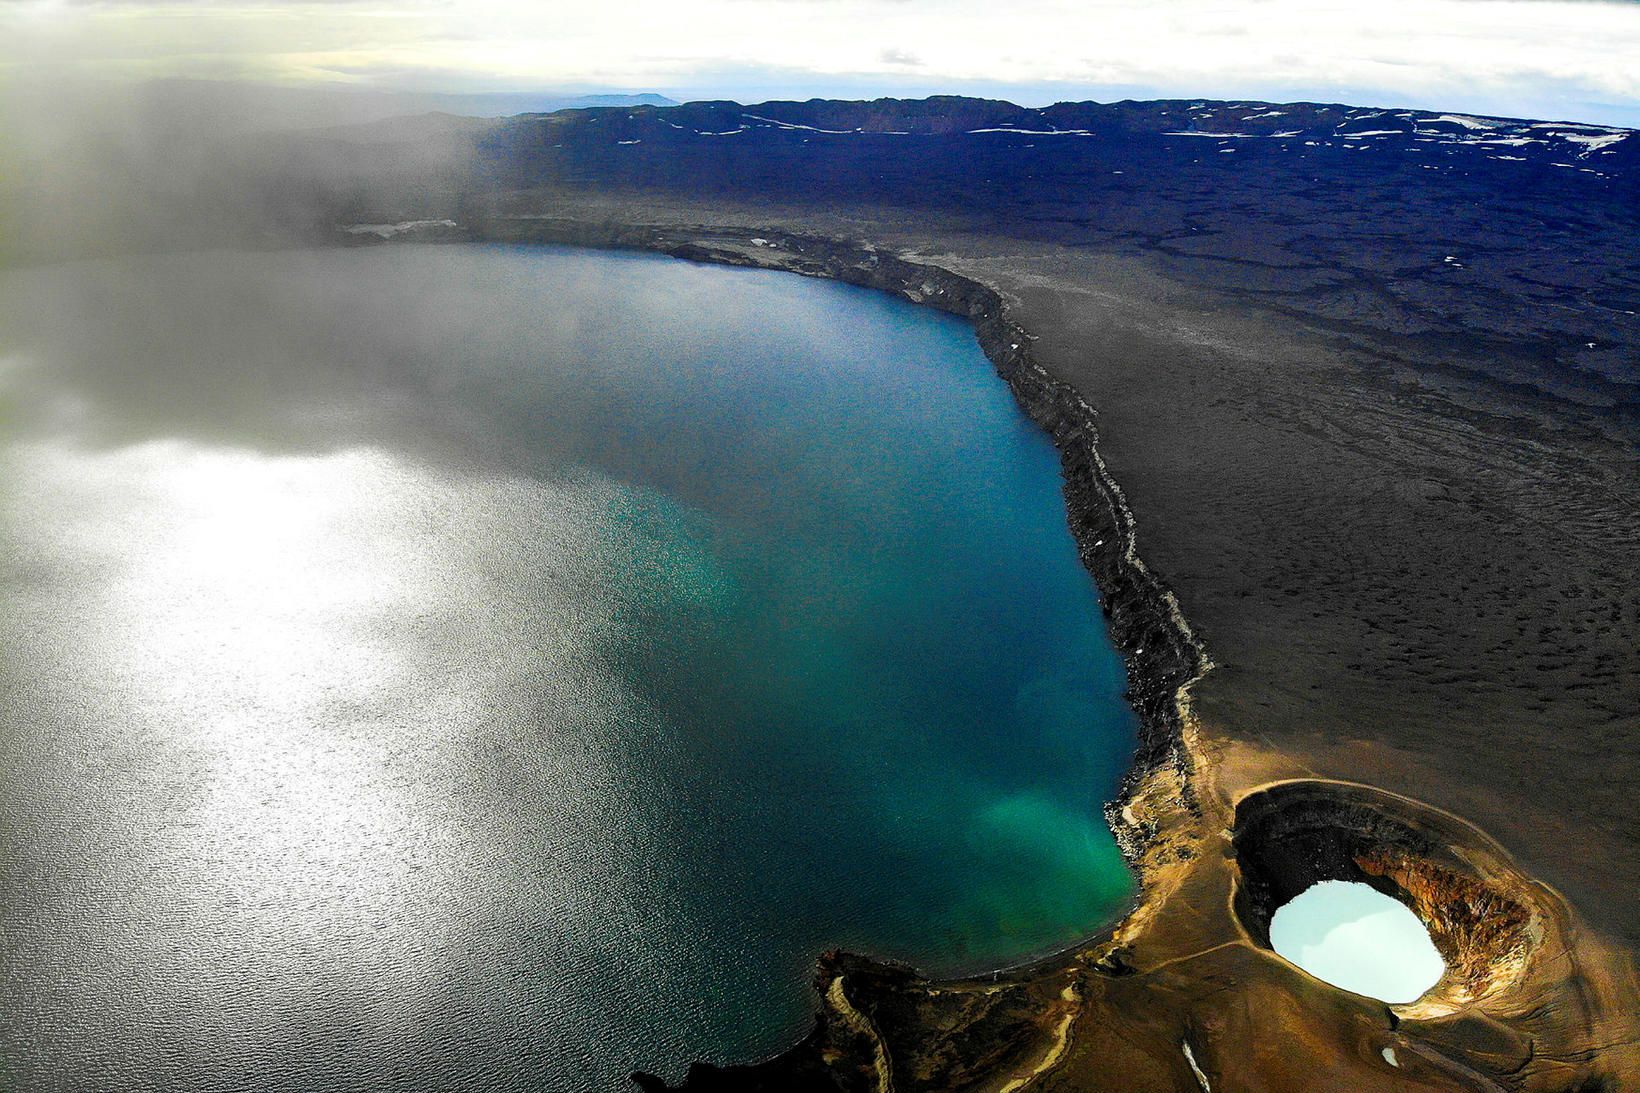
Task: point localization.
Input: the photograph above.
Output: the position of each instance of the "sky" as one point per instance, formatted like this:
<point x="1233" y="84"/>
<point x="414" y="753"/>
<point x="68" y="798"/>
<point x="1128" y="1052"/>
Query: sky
<point x="1561" y="59"/>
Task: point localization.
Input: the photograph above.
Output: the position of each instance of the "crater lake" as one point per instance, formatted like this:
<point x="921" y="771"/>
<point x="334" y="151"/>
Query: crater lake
<point x="482" y="667"/>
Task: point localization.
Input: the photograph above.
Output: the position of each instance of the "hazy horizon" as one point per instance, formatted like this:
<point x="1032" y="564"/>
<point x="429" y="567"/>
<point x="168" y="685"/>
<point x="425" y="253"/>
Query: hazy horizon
<point x="320" y="104"/>
<point x="1562" y="60"/>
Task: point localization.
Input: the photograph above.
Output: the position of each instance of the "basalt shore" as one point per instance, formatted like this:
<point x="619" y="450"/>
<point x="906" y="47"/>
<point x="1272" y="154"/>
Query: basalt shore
<point x="1352" y="391"/>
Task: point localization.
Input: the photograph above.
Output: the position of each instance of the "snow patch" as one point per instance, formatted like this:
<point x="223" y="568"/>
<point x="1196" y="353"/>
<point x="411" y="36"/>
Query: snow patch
<point x="1592" y="143"/>
<point x="1038" y="132"/>
<point x="1190" y="1057"/>
<point x="1464" y="120"/>
<point x="1570" y="125"/>
<point x="778" y="124"/>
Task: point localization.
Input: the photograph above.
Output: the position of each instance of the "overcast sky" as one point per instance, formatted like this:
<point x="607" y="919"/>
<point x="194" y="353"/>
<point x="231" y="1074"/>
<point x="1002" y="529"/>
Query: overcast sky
<point x="1572" y="59"/>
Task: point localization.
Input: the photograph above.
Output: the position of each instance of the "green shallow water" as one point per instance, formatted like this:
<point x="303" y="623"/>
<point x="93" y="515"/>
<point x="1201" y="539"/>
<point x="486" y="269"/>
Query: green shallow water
<point x="507" y="668"/>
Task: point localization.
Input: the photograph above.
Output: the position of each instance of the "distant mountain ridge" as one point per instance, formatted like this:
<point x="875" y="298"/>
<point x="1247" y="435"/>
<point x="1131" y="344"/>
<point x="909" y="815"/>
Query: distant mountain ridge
<point x="1578" y="145"/>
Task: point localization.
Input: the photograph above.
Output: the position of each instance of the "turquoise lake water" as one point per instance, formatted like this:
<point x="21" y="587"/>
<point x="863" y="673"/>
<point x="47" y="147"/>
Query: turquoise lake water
<point x="481" y="667"/>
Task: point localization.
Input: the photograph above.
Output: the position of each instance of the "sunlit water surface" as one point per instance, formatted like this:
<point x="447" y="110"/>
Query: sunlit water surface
<point x="1355" y="937"/>
<point x="495" y="668"/>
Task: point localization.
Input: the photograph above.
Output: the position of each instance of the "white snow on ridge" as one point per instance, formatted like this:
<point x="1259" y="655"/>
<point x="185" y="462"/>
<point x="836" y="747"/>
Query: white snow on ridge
<point x="1462" y="119"/>
<point x="1571" y="125"/>
<point x="1592" y="143"/>
<point x="1373" y="133"/>
<point x="777" y="123"/>
<point x="1221" y="136"/>
<point x="1038" y="132"/>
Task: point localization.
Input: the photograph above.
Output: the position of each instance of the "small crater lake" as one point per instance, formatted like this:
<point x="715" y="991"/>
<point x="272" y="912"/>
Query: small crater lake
<point x="486" y="667"/>
<point x="1350" y="935"/>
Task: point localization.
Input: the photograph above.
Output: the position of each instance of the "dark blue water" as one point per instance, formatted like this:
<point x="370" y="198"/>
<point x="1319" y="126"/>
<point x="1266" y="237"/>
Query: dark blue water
<point x="505" y="668"/>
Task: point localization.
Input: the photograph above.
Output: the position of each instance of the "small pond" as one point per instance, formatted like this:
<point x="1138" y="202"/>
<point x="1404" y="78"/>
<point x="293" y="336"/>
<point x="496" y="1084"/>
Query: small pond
<point x="1355" y="937"/>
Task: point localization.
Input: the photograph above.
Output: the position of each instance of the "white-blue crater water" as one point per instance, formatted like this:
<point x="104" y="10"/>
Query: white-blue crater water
<point x="1357" y="938"/>
<point x="502" y="669"/>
